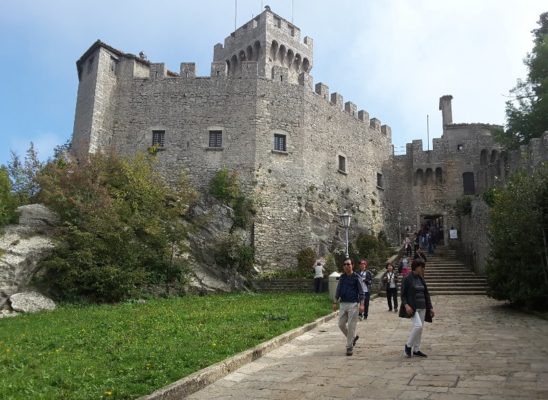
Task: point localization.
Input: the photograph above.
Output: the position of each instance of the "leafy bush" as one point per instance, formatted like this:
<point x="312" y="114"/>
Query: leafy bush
<point x="330" y="265"/>
<point x="463" y="206"/>
<point x="306" y="259"/>
<point x="375" y="249"/>
<point x="489" y="196"/>
<point x="225" y="187"/>
<point x="517" y="268"/>
<point x="122" y="227"/>
<point x="232" y="253"/>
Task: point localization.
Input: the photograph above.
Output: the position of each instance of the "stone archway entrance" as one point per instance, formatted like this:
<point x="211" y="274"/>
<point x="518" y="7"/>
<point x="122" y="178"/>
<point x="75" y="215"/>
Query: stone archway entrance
<point x="435" y="225"/>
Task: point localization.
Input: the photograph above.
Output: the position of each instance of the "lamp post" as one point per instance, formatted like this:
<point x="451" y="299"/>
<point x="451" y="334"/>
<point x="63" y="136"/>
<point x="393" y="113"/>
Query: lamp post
<point x="345" y="221"/>
<point x="399" y="227"/>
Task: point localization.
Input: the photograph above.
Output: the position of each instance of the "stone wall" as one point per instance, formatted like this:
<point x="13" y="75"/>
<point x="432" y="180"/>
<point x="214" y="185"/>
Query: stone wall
<point x="473" y="244"/>
<point x="260" y="89"/>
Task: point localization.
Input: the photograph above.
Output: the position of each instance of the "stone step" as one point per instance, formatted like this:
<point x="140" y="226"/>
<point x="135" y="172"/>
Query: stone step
<point x="455" y="287"/>
<point x="455" y="274"/>
<point x="452" y="280"/>
<point x="458" y="293"/>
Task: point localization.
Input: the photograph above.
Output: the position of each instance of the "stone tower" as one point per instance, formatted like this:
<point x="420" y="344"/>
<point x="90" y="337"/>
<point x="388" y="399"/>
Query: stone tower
<point x="269" y="46"/>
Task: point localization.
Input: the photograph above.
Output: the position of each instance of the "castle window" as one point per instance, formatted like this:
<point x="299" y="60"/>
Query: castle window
<point x="342" y="164"/>
<point x="468" y="183"/>
<point x="483" y="157"/>
<point x="494" y="156"/>
<point x="439" y="176"/>
<point x="113" y="64"/>
<point x="158" y="138"/>
<point x="428" y="176"/>
<point x="280" y="142"/>
<point x="215" y="138"/>
<point x="379" y="180"/>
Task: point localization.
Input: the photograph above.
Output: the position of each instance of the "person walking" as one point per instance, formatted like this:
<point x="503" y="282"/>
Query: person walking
<point x="390" y="281"/>
<point x="367" y="279"/>
<point x="416" y="304"/>
<point x="318" y="276"/>
<point x="350" y="296"/>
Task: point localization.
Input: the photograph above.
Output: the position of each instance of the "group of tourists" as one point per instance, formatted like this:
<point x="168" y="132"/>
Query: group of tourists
<point x="353" y="294"/>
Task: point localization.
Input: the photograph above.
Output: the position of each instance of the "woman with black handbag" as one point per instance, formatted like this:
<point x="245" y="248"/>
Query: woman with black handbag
<point x="415" y="304"/>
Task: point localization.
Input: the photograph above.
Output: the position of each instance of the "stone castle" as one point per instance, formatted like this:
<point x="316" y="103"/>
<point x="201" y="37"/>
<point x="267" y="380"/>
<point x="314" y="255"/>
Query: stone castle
<point x="302" y="152"/>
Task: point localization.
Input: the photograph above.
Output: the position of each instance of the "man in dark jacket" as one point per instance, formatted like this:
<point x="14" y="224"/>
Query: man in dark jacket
<point x="349" y="294"/>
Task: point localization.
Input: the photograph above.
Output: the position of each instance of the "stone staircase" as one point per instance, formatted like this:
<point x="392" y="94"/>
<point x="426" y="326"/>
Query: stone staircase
<point x="446" y="275"/>
<point x="286" y="285"/>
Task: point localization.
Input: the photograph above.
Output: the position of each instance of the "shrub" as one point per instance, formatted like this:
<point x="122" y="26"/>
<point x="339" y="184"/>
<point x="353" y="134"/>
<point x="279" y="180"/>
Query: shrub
<point x="330" y="265"/>
<point x="305" y="260"/>
<point x="517" y="267"/>
<point x="225" y="187"/>
<point x="375" y="249"/>
<point x="232" y="254"/>
<point x="463" y="206"/>
<point x="489" y="196"/>
<point x="121" y="229"/>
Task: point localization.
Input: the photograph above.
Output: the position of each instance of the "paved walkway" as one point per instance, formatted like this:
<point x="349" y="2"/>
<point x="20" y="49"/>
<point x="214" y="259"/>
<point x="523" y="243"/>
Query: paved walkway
<point x="477" y="350"/>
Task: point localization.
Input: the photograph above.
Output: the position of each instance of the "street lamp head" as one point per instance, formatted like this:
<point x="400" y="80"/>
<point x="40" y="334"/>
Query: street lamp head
<point x="345" y="218"/>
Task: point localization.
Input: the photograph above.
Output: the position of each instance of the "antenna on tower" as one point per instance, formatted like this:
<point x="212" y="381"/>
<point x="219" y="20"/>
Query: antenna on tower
<point x="427" y="133"/>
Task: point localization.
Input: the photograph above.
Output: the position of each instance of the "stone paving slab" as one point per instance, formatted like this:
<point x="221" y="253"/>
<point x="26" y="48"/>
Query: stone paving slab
<point x="477" y="349"/>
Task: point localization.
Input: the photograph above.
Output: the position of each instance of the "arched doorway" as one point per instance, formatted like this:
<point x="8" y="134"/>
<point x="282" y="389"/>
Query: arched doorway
<point x="434" y="224"/>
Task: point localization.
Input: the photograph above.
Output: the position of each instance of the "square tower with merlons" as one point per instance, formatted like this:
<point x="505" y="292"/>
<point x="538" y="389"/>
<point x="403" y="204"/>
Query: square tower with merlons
<point x="268" y="46"/>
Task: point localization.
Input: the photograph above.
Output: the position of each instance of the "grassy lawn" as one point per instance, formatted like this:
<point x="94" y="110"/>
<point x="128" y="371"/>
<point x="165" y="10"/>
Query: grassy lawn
<point x="128" y="350"/>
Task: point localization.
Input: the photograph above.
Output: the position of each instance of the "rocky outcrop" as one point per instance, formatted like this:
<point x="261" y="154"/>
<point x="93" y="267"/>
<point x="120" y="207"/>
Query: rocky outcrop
<point x="22" y="247"/>
<point x="212" y="223"/>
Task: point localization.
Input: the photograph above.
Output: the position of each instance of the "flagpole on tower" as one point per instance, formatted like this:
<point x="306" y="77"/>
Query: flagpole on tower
<point x="235" y="13"/>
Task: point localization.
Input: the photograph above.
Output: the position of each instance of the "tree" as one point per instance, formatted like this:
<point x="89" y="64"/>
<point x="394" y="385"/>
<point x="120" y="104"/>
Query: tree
<point x="122" y="227"/>
<point x="517" y="267"/>
<point x="8" y="203"/>
<point x="23" y="175"/>
<point x="527" y="112"/>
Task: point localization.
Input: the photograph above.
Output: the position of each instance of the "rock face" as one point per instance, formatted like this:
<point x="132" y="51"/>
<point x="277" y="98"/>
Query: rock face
<point x="22" y="246"/>
<point x="28" y="302"/>
<point x="216" y="223"/>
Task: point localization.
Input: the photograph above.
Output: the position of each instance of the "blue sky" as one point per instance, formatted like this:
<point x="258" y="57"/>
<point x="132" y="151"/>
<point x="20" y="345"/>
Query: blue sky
<point x="393" y="58"/>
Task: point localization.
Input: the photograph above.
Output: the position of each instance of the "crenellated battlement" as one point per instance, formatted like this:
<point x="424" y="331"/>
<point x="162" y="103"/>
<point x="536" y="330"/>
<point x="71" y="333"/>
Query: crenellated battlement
<point x="337" y="101"/>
